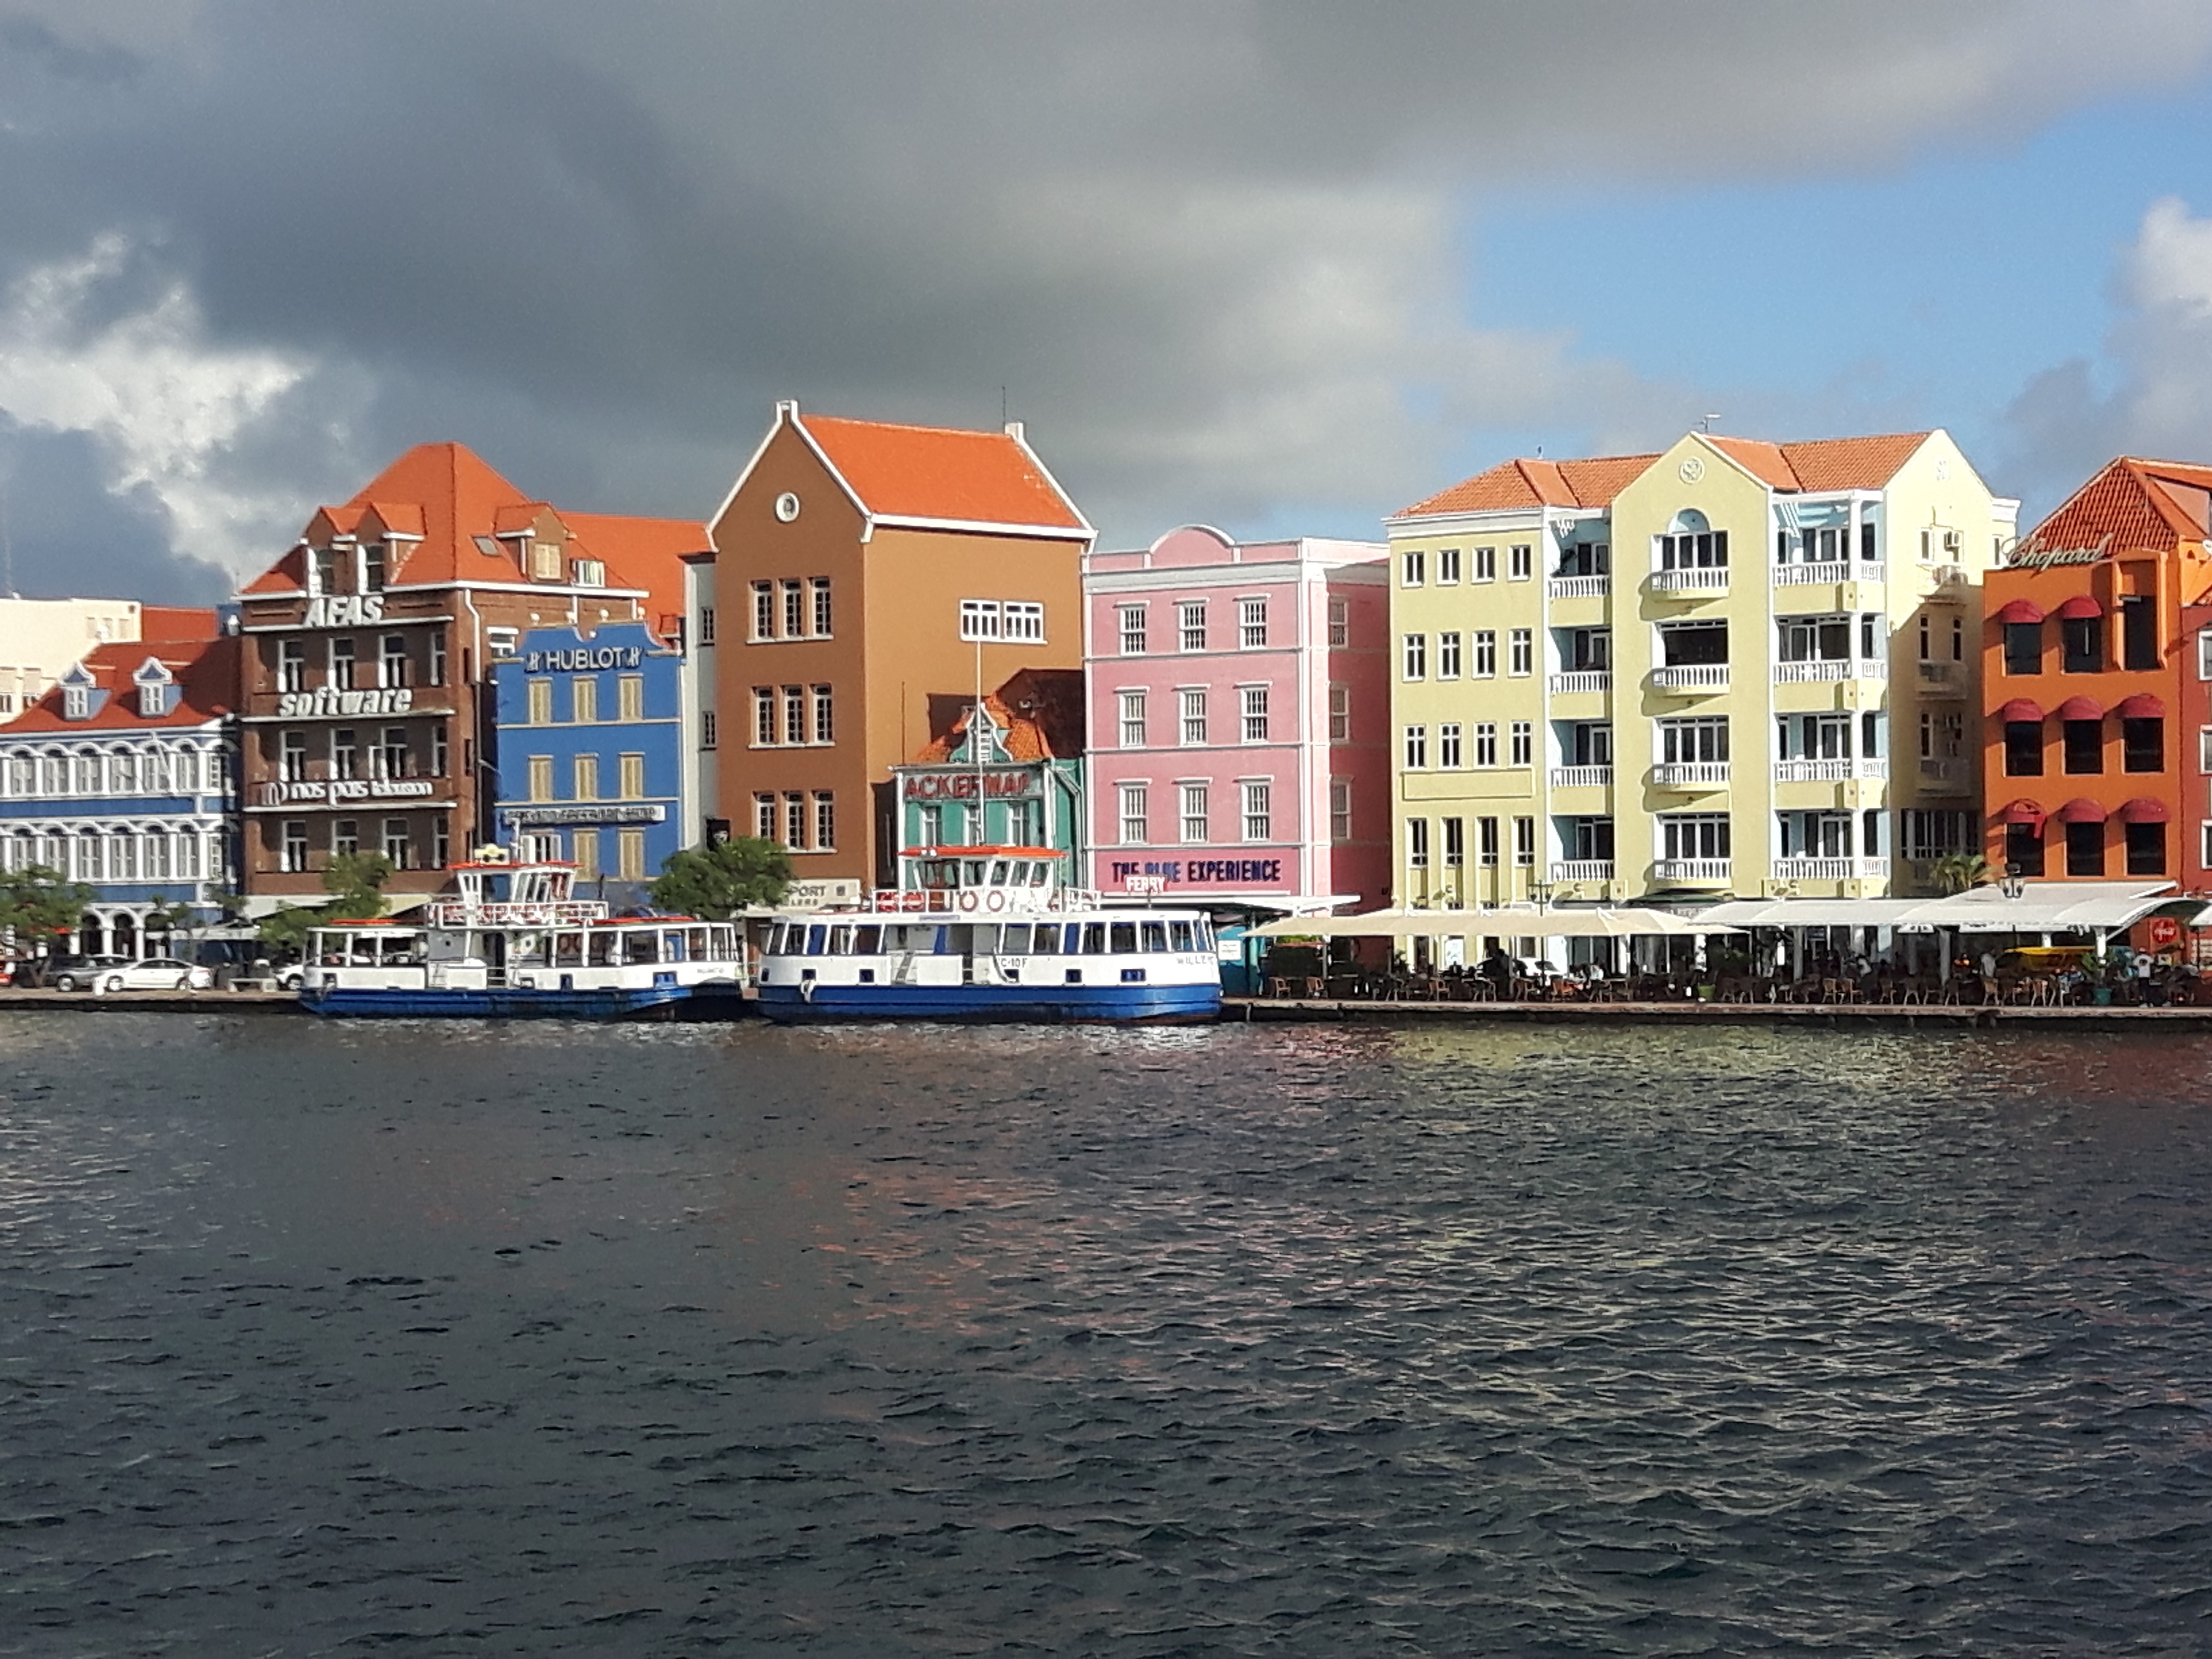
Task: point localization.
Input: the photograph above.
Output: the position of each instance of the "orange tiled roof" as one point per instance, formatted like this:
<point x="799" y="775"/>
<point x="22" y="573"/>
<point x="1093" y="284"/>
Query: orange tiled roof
<point x="1039" y="709"/>
<point x="2123" y="506"/>
<point x="647" y="553"/>
<point x="172" y="621"/>
<point x="1533" y="484"/>
<point x="1823" y="464"/>
<point x="205" y="670"/>
<point x="938" y="472"/>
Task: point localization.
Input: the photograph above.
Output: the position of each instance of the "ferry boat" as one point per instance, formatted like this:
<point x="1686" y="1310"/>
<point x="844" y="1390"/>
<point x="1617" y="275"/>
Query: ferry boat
<point x="516" y="943"/>
<point x="989" y="934"/>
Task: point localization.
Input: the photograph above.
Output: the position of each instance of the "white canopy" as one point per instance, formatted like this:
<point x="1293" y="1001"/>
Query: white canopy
<point x="2046" y="907"/>
<point x="1523" y="921"/>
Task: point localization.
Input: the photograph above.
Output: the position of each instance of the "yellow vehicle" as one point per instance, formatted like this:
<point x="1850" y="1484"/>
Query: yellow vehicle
<point x="2044" y="959"/>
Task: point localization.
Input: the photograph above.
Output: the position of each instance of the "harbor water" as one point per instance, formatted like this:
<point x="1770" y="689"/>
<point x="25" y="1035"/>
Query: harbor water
<point x="437" y="1338"/>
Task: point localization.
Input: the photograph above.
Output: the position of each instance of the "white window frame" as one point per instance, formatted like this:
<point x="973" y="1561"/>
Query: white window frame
<point x="1193" y="820"/>
<point x="1253" y="712"/>
<point x="1131" y="711"/>
<point x="1190" y="716"/>
<point x="980" y="620"/>
<point x="1134" y="810"/>
<point x="1484" y="665"/>
<point x="1257" y="813"/>
<point x="1130" y="620"/>
<point x="1521" y="661"/>
<point x="1414" y="658"/>
<point x="1252" y="624"/>
<point x="1415" y="751"/>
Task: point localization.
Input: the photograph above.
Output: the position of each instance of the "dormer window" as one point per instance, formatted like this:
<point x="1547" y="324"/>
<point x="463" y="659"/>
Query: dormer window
<point x="157" y="695"/>
<point x="589" y="572"/>
<point x="545" y="561"/>
<point x="372" y="568"/>
<point x="322" y="569"/>
<point x="76" y="702"/>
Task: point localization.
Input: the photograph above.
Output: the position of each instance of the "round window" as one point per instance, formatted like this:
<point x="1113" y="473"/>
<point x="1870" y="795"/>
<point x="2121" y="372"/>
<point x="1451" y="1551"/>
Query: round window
<point x="787" y="507"/>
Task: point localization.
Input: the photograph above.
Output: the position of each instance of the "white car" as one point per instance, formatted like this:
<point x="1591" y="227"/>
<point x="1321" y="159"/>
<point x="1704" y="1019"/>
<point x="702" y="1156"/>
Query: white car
<point x="155" y="974"/>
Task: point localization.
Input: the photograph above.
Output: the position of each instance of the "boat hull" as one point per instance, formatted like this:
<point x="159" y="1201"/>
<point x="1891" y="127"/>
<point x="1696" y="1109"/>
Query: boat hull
<point x="626" y="1002"/>
<point x="1113" y="1004"/>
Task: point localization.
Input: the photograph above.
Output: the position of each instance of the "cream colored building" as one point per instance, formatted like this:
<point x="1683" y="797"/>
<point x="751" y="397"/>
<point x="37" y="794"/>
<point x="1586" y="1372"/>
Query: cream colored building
<point x="40" y="638"/>
<point x="1733" y="669"/>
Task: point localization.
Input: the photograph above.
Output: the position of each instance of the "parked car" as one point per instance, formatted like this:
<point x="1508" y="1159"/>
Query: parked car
<point x="157" y="974"/>
<point x="80" y="973"/>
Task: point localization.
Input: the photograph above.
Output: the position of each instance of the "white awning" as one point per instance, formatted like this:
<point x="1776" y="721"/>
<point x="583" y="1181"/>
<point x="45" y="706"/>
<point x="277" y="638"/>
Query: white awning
<point x="2046" y="907"/>
<point x="1513" y="922"/>
<point x="1811" y="912"/>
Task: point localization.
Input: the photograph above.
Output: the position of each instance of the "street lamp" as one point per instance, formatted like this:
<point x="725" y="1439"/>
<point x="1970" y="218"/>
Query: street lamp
<point x="2015" y="882"/>
<point x="1541" y="892"/>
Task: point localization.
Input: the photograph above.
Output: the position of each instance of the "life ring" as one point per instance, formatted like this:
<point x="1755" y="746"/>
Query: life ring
<point x="994" y="899"/>
<point x="968" y="899"/>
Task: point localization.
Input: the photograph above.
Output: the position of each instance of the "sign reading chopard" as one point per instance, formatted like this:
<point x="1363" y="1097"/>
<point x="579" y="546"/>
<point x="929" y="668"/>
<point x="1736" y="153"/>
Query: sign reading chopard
<point x="306" y="791"/>
<point x="329" y="700"/>
<point x="2031" y="557"/>
<point x="606" y="812"/>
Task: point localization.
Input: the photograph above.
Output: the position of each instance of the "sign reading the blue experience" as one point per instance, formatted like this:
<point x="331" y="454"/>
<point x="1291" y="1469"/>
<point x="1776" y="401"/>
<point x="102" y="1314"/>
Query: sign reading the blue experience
<point x="1184" y="871"/>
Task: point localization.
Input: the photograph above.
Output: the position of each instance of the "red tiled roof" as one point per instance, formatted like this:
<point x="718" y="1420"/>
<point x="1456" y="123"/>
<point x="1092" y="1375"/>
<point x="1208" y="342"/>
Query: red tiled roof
<point x="939" y="472"/>
<point x="1823" y="464"/>
<point x="1040" y="709"/>
<point x="2127" y="505"/>
<point x="647" y="553"/>
<point x="206" y="670"/>
<point x="174" y="622"/>
<point x="1533" y="484"/>
<point x="1764" y="461"/>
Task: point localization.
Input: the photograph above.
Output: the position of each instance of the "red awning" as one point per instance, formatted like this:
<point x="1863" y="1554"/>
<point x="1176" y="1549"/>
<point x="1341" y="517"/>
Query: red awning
<point x="2143" y="809"/>
<point x="2022" y="811"/>
<point x="2021" y="610"/>
<point x="2081" y="810"/>
<point x="2141" y="707"/>
<point x="2021" y="708"/>
<point x="2081" y="606"/>
<point x="2080" y="708"/>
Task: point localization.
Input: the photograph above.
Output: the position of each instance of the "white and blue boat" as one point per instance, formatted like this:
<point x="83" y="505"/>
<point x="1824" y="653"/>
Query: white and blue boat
<point x="988" y="933"/>
<point x="517" y="943"/>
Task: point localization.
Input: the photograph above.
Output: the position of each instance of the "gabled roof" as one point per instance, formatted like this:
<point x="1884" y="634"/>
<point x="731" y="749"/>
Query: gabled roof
<point x="1535" y="484"/>
<point x="1821" y="464"/>
<point x="2132" y="505"/>
<point x="205" y="671"/>
<point x="1040" y="712"/>
<point x="459" y="506"/>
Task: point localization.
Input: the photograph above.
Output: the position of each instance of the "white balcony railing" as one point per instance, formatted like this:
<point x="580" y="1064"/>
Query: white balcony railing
<point x="1862" y="769"/>
<point x="1579" y="587"/>
<point x="1830" y="669"/>
<point x="1947" y="775"/>
<point x="1827" y="571"/>
<point x="1582" y="777"/>
<point x="1581" y="870"/>
<point x="1690" y="775"/>
<point x="1692" y="676"/>
<point x="1695" y="872"/>
<point x="1582" y="679"/>
<point x="1695" y="579"/>
<point x="1813" y="869"/>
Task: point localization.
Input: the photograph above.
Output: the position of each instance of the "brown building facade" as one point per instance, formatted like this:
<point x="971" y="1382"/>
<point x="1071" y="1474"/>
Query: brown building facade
<point x="367" y="707"/>
<point x="868" y="577"/>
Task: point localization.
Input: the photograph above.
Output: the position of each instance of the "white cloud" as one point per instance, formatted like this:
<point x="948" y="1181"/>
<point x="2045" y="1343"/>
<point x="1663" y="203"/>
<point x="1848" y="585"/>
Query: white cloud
<point x="165" y="405"/>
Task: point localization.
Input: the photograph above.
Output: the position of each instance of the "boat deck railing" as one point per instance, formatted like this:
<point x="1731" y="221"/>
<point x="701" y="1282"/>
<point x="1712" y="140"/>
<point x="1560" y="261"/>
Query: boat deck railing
<point x="984" y="901"/>
<point x="449" y="913"/>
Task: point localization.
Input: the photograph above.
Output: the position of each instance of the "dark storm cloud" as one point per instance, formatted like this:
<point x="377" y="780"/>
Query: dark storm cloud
<point x="1211" y="251"/>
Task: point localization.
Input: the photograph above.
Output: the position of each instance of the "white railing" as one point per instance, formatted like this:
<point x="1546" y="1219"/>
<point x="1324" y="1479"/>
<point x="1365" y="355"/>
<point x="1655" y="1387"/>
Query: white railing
<point x="1582" y="679"/>
<point x="1870" y="570"/>
<point x="1829" y="669"/>
<point x="1582" y="777"/>
<point x="1581" y="870"/>
<point x="1944" y="774"/>
<point x="1812" y="869"/>
<point x="1697" y="872"/>
<point x="454" y="912"/>
<point x="1677" y="774"/>
<point x="984" y="903"/>
<point x="1863" y="769"/>
<point x="1579" y="587"/>
<point x="1693" y="579"/>
<point x="1695" y="677"/>
<point x="1807" y="576"/>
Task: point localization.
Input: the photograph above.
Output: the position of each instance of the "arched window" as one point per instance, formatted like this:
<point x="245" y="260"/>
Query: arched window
<point x="1691" y="543"/>
<point x="123" y="772"/>
<point x="54" y="775"/>
<point x="84" y="773"/>
<point x="22" y="776"/>
<point x="122" y="856"/>
<point x="88" y="854"/>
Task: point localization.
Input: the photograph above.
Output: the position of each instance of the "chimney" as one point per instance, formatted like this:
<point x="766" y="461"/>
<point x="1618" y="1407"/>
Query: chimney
<point x="1014" y="431"/>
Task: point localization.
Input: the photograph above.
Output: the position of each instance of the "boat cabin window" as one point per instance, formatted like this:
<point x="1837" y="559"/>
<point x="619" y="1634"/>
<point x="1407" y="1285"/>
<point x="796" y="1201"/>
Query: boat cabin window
<point x="697" y="943"/>
<point x="818" y="938"/>
<point x="605" y="948"/>
<point x="1016" y="942"/>
<point x="937" y="873"/>
<point x="567" y="950"/>
<point x="841" y="940"/>
<point x="1204" y="929"/>
<point x="528" y="951"/>
<point x="1124" y="937"/>
<point x="639" y="945"/>
<point x="1179" y="937"/>
<point x="673" y="948"/>
<point x="867" y="941"/>
<point x="1156" y="935"/>
<point x="997" y="872"/>
<point x="1094" y="938"/>
<point x="1040" y="872"/>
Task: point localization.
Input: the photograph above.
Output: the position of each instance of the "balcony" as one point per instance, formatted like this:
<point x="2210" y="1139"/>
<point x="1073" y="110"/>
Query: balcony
<point x="1582" y="679"/>
<point x="1697" y="680"/>
<point x="1862" y="769"/>
<point x="1690" y="775"/>
<point x="1579" y="587"/>
<point x="1695" y="579"/>
<point x="1830" y="669"/>
<point x="1581" y="870"/>
<point x="1950" y="777"/>
<point x="1944" y="679"/>
<point x="1813" y="869"/>
<point x="1829" y="572"/>
<point x="1695" y="872"/>
<point x="1582" y="777"/>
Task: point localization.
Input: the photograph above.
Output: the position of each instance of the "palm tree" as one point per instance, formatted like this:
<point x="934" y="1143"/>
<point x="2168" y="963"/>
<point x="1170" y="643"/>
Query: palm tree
<point x="1954" y="873"/>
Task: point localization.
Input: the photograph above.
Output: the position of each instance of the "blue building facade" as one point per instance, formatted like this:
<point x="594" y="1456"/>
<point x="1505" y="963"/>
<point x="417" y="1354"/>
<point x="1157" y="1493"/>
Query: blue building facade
<point x="587" y="752"/>
<point x="124" y="777"/>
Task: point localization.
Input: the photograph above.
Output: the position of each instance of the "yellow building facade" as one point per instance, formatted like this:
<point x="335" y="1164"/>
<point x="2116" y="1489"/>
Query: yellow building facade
<point x="1732" y="669"/>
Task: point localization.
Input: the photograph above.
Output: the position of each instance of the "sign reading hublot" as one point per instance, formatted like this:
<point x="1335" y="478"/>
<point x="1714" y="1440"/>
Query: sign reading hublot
<point x="329" y="700"/>
<point x="1154" y="875"/>
<point x="585" y="661"/>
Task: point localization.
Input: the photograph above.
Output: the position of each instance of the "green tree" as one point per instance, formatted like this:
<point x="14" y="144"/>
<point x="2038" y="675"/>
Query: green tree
<point x="37" y="903"/>
<point x="168" y="917"/>
<point x="1954" y="873"/>
<point x="356" y="883"/>
<point x="717" y="882"/>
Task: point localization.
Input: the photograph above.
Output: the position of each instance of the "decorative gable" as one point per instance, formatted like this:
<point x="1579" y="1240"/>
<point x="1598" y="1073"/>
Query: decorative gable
<point x="157" y="688"/>
<point x="78" y="686"/>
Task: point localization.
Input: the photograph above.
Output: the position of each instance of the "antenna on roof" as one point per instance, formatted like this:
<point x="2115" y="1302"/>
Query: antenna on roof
<point x="1706" y="424"/>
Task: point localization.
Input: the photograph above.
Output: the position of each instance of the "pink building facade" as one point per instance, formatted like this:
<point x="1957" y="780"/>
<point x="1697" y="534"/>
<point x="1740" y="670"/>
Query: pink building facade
<point x="1239" y="708"/>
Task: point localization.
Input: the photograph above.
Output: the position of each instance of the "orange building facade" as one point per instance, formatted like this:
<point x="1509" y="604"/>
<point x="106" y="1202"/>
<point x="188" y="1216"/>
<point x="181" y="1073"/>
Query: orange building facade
<point x="2089" y="680"/>
<point x="868" y="577"/>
